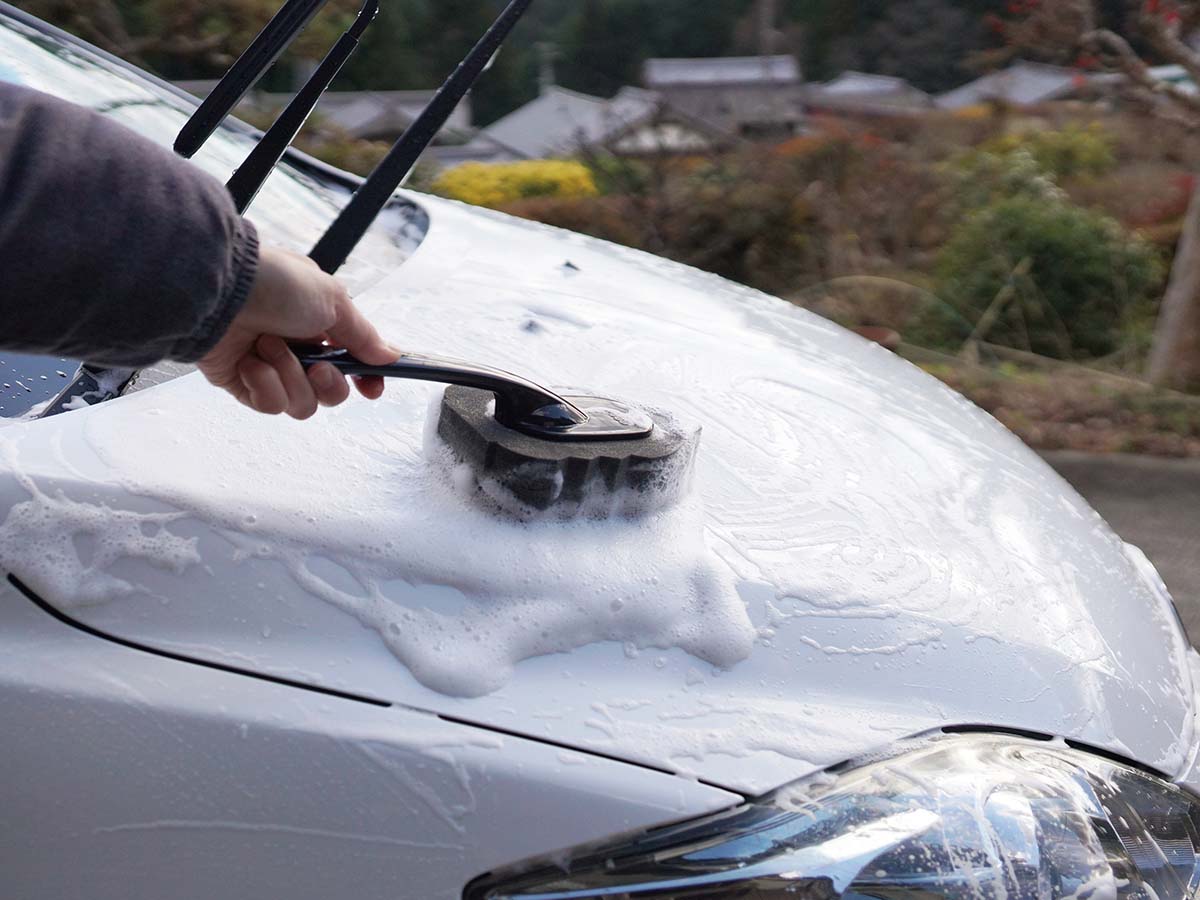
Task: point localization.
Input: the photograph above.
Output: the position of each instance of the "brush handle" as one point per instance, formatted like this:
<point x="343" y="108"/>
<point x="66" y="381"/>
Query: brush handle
<point x="520" y="404"/>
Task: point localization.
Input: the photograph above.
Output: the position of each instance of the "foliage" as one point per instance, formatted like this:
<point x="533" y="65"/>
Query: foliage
<point x="601" y="44"/>
<point x="184" y="38"/>
<point x="608" y="218"/>
<point x="981" y="178"/>
<point x="495" y="184"/>
<point x="778" y="219"/>
<point x="1061" y="281"/>
<point x="1071" y="152"/>
<point x="928" y="42"/>
<point x="1061" y="406"/>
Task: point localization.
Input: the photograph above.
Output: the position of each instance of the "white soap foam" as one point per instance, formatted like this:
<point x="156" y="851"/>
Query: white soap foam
<point x="885" y="518"/>
<point x="74" y="544"/>
<point x="375" y="519"/>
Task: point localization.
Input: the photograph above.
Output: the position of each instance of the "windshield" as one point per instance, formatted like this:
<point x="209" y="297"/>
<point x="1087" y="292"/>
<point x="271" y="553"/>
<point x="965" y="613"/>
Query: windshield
<point x="293" y="210"/>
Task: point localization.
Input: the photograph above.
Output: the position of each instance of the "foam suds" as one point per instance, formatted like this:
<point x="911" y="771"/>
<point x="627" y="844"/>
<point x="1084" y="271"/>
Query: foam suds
<point x="853" y="527"/>
<point x="376" y="519"/>
<point x="76" y="543"/>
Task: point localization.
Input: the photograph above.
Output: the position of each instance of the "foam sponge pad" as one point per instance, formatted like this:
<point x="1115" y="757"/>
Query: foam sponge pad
<point x="528" y="476"/>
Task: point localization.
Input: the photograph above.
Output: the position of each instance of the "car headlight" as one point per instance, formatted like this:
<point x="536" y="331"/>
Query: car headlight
<point x="977" y="816"/>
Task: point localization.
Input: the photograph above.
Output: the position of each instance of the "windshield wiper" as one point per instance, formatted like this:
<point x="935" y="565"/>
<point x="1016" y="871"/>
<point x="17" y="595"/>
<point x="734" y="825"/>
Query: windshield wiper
<point x="250" y="67"/>
<point x="369" y="200"/>
<point x="92" y="384"/>
<point x="336" y="245"/>
<point x="250" y="176"/>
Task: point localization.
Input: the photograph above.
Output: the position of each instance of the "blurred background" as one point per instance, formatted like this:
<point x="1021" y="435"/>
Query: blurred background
<point x="1004" y="192"/>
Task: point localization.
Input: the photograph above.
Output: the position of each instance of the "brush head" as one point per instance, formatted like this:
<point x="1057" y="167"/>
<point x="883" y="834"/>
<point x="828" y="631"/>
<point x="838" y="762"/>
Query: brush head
<point x="527" y="476"/>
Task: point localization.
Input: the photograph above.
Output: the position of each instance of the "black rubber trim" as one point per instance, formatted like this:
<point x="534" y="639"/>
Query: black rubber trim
<point x="179" y="657"/>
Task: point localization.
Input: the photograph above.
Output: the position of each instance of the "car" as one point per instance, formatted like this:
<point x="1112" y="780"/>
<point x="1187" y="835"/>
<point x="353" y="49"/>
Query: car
<point x="875" y="647"/>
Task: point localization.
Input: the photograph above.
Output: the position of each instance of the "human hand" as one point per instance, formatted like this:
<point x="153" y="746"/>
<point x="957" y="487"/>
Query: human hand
<point x="292" y="299"/>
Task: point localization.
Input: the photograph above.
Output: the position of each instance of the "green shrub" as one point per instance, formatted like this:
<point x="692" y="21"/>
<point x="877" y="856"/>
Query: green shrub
<point x="1070" y="153"/>
<point x="982" y="178"/>
<point x="1062" y="280"/>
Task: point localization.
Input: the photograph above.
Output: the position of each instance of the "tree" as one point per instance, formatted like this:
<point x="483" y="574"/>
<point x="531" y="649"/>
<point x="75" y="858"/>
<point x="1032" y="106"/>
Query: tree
<point x="602" y="46"/>
<point x="1149" y="28"/>
<point x="928" y="42"/>
<point x="184" y="38"/>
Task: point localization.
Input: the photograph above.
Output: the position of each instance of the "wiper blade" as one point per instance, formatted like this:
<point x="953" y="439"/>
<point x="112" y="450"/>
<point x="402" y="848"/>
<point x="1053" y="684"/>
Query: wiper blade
<point x="92" y="384"/>
<point x="250" y="176"/>
<point x="369" y="200"/>
<point x="291" y="19"/>
<point x="97" y="383"/>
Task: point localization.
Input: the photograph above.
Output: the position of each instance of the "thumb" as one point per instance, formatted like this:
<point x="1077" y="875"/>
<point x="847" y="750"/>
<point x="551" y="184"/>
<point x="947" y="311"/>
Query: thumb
<point x="354" y="333"/>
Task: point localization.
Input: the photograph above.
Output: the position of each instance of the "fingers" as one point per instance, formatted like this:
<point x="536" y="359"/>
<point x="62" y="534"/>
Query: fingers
<point x="264" y="390"/>
<point x="277" y="383"/>
<point x="354" y="333"/>
<point x="301" y="398"/>
<point x="370" y="387"/>
<point x="329" y="385"/>
<point x="293" y="299"/>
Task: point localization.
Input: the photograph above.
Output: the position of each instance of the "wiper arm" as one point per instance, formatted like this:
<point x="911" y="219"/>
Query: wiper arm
<point x="348" y="229"/>
<point x="369" y="200"/>
<point x="291" y="19"/>
<point x="250" y="176"/>
<point x="92" y="384"/>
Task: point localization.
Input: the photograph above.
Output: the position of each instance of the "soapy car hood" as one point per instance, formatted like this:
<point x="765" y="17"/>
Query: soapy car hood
<point x="863" y="555"/>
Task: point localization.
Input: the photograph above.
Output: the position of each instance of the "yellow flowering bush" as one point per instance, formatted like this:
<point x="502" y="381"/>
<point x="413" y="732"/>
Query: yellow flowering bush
<point x="496" y="184"/>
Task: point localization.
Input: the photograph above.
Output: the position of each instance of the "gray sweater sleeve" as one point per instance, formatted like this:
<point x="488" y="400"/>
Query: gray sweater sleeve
<point x="112" y="249"/>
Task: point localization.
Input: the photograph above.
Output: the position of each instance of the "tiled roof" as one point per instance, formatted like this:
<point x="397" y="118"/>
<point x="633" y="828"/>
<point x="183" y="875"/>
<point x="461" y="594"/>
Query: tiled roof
<point x="1022" y="84"/>
<point x="560" y="121"/>
<point x="865" y="83"/>
<point x="662" y="73"/>
<point x="873" y="94"/>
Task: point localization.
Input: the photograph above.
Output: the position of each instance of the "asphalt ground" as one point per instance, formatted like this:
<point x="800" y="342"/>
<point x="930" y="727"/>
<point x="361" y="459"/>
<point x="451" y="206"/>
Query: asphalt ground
<point x="1153" y="503"/>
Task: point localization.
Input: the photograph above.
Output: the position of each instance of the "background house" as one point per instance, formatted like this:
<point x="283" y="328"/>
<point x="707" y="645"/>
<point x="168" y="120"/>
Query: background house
<point x="369" y="115"/>
<point x="561" y="122"/>
<point x="748" y="96"/>
<point x="1021" y="84"/>
<point x="861" y="94"/>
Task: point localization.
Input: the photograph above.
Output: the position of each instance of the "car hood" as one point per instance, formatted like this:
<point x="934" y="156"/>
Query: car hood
<point x="863" y="555"/>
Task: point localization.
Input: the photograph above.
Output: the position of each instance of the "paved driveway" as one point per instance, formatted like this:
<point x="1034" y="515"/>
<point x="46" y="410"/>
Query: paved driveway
<point x="1153" y="503"/>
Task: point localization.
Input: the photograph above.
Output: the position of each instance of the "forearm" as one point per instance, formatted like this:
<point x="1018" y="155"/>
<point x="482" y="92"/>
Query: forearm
<point x="112" y="249"/>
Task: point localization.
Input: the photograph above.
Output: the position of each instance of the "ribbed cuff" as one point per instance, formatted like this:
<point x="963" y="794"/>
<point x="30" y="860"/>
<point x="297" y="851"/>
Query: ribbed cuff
<point x="244" y="267"/>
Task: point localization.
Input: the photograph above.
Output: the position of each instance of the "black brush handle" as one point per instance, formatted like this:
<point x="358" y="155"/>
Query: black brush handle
<point x="520" y="403"/>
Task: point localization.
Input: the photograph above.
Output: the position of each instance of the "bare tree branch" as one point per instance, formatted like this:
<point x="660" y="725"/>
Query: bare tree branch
<point x="1126" y="60"/>
<point x="1163" y="28"/>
